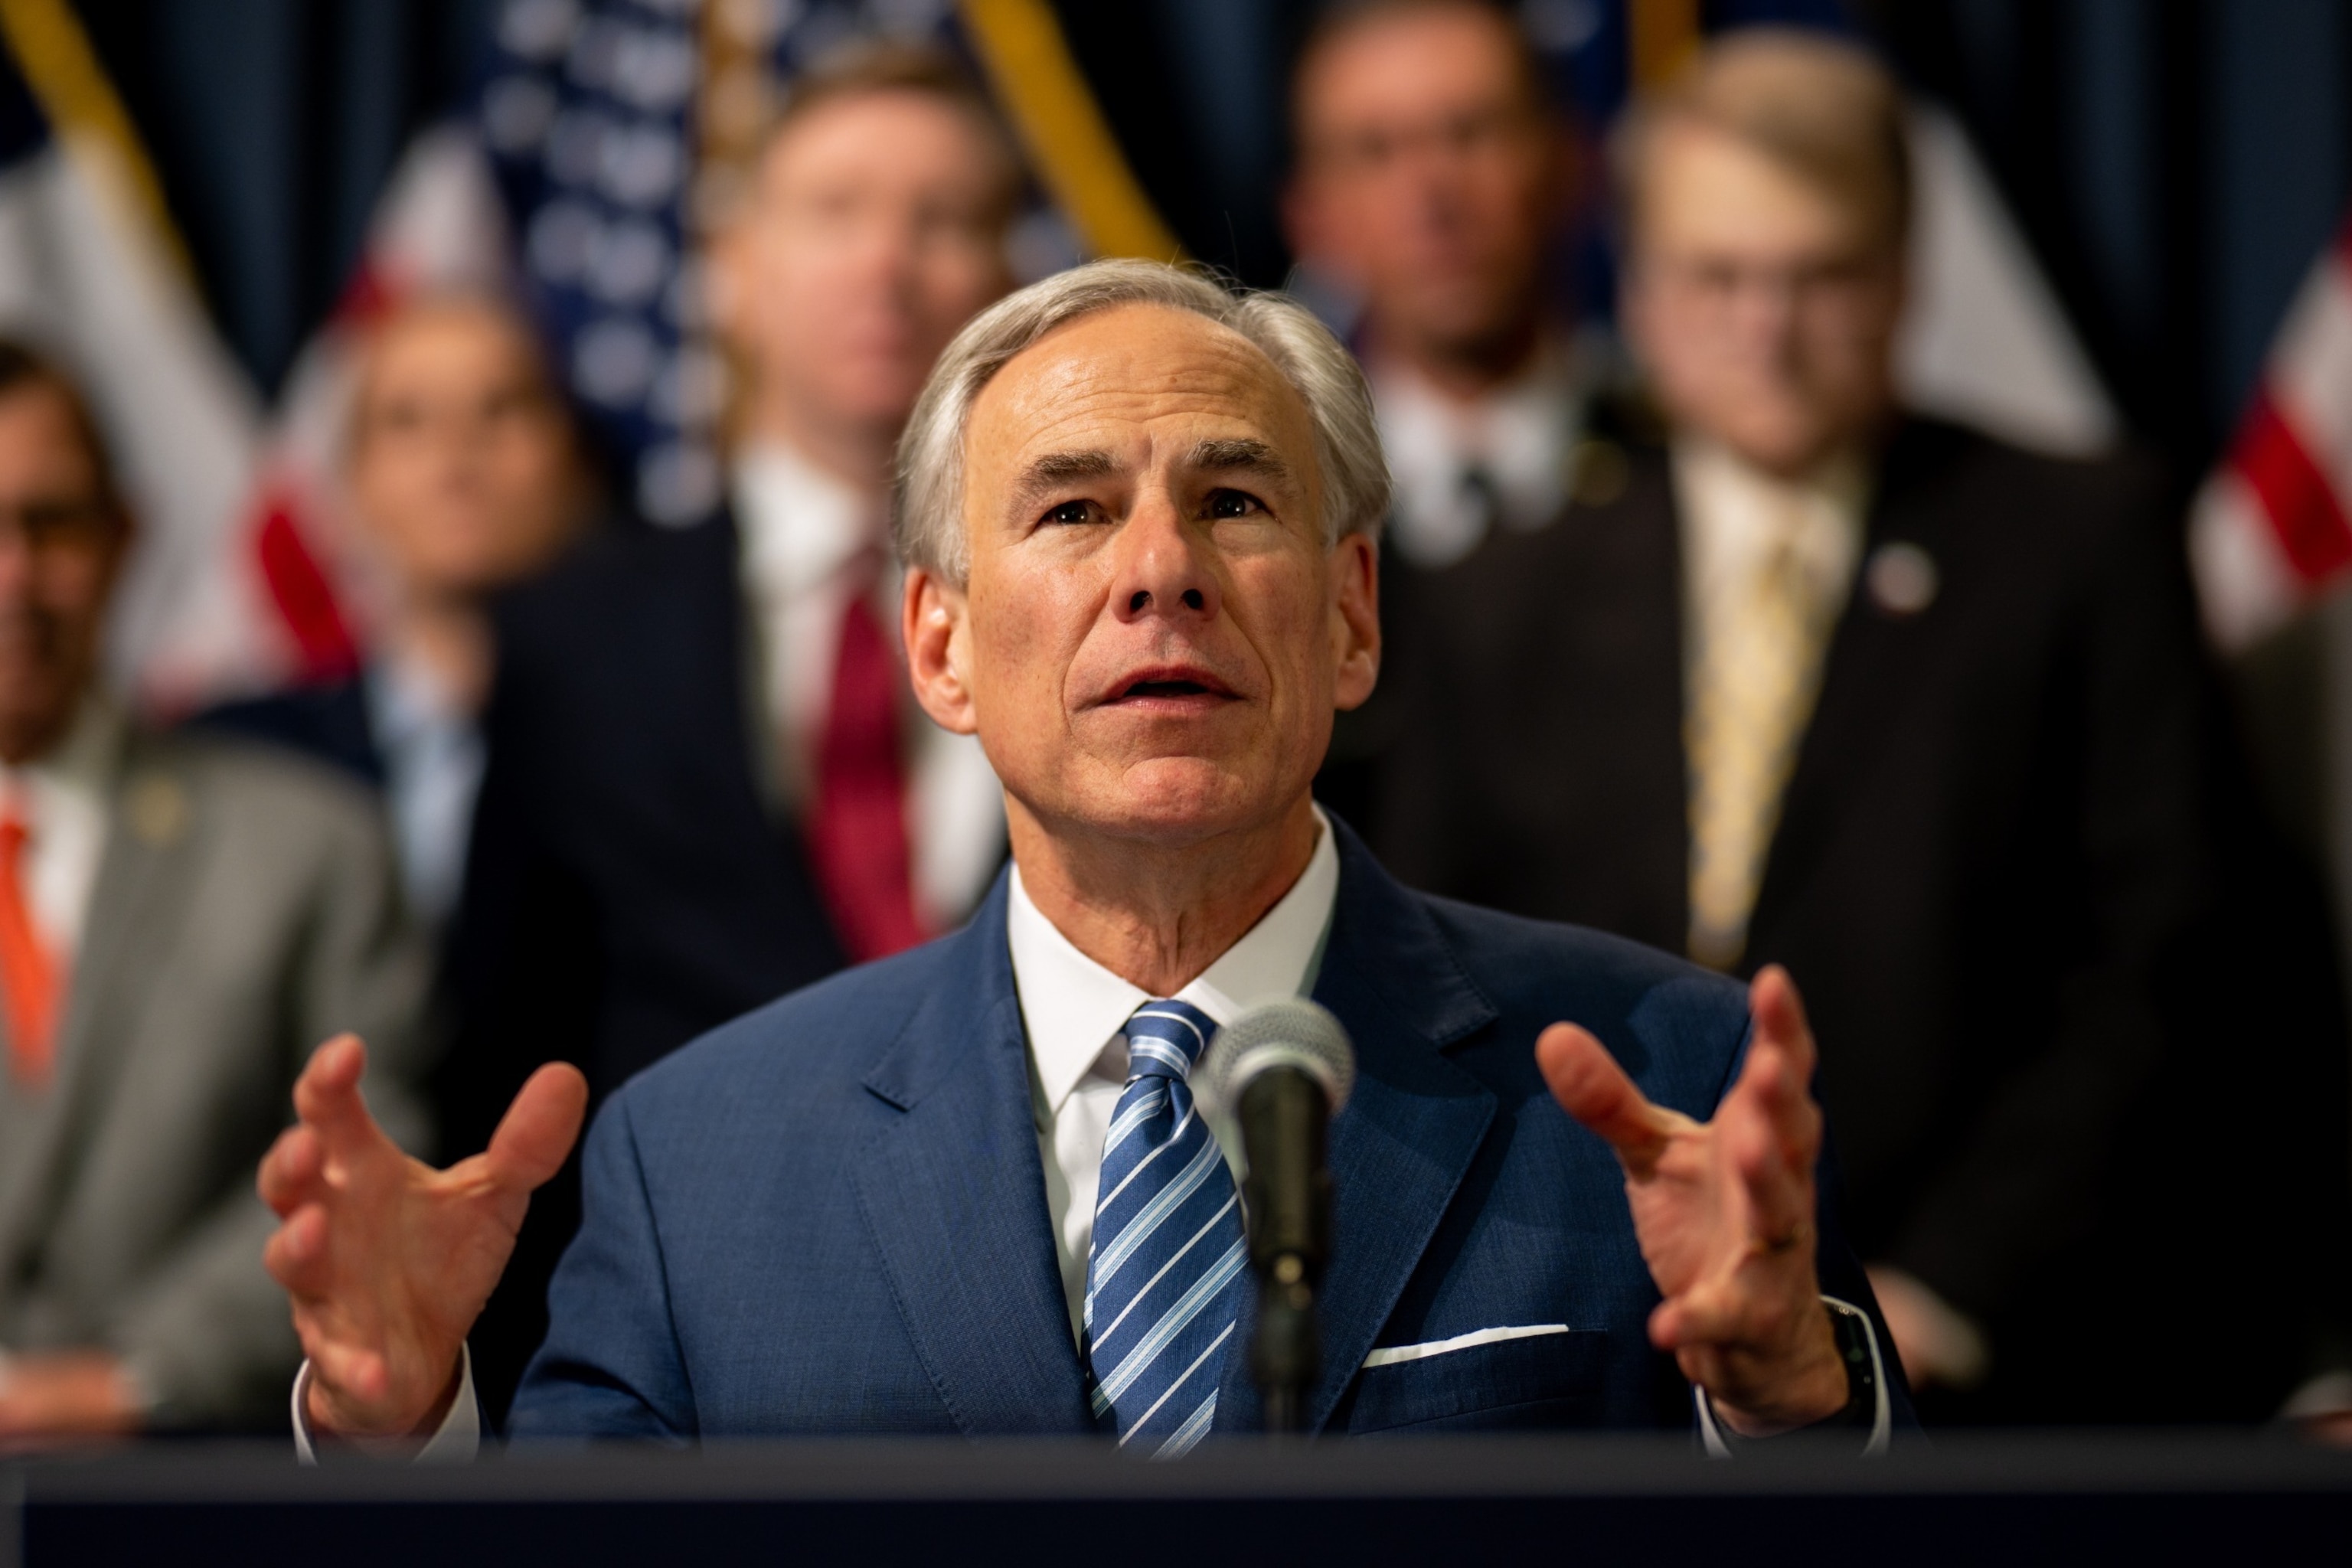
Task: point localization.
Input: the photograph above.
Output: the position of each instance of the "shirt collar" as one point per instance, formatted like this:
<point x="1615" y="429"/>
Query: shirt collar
<point x="1736" y="512"/>
<point x="82" y="763"/>
<point x="1521" y="433"/>
<point x="1074" y="1009"/>
<point x="800" y="525"/>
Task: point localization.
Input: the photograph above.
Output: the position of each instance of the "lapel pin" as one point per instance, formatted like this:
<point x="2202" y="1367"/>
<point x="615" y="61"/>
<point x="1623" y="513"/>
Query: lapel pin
<point x="1902" y="578"/>
<point x="157" y="809"/>
<point x="1597" y="472"/>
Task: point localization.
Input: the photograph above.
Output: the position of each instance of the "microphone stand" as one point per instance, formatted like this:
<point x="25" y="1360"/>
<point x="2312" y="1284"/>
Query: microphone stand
<point x="1283" y="1116"/>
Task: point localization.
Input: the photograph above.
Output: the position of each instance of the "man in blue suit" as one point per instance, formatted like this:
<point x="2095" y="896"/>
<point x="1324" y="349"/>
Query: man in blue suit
<point x="965" y="1190"/>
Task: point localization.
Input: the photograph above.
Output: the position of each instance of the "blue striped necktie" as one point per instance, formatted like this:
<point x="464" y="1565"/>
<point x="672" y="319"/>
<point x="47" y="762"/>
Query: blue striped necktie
<point x="1167" y="1246"/>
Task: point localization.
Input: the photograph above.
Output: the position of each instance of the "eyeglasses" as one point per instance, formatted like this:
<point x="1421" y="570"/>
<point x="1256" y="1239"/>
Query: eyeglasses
<point x="1716" y="283"/>
<point x="55" y="524"/>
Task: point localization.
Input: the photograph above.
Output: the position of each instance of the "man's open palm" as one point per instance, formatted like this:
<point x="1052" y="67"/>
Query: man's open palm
<point x="1723" y="1210"/>
<point x="389" y="1261"/>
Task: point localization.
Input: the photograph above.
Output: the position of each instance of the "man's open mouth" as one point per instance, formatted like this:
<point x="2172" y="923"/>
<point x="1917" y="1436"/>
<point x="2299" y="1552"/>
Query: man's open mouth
<point x="1163" y="685"/>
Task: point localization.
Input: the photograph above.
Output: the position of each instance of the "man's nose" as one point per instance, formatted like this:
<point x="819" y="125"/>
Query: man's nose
<point x="1163" y="568"/>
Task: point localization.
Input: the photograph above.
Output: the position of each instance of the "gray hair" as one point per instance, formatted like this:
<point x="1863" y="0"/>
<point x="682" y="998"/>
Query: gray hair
<point x="927" y="510"/>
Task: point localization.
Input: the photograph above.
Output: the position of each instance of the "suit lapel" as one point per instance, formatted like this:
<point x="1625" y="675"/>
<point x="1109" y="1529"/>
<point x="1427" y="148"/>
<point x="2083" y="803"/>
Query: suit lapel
<point x="954" y="1196"/>
<point x="1410" y="1130"/>
<point x="1873" y="660"/>
<point x="139" y="901"/>
<point x="1633" y="604"/>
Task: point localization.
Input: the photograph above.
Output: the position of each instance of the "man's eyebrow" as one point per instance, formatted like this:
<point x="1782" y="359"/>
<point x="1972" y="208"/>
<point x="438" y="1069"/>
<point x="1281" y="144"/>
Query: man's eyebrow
<point x="1239" y="455"/>
<point x="1057" y="468"/>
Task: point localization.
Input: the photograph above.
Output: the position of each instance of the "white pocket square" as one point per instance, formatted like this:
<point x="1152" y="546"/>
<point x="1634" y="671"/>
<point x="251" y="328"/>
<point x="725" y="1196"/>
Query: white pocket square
<point x="1389" y="1355"/>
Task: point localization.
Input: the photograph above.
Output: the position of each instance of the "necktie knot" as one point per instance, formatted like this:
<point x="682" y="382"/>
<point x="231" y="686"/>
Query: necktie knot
<point x="1165" y="1040"/>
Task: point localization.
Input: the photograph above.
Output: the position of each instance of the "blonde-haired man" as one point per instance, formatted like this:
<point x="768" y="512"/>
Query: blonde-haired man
<point x="1919" y="714"/>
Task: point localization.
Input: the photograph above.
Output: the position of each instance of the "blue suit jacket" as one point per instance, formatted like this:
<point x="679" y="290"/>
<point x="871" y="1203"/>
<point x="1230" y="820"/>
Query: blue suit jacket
<point x="828" y="1218"/>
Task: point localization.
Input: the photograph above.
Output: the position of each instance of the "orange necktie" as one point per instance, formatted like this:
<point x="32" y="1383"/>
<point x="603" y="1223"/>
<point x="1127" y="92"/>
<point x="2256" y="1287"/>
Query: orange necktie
<point x="28" y="975"/>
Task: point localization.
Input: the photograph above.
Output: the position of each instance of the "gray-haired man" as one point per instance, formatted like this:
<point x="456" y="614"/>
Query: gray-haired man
<point x="940" y="1194"/>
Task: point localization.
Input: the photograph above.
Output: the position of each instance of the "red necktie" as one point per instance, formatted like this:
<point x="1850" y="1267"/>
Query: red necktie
<point x="28" y="974"/>
<point x="857" y="834"/>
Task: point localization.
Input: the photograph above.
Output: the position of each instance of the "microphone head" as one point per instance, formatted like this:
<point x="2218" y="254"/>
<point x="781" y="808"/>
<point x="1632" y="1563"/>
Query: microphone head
<point x="1290" y="1033"/>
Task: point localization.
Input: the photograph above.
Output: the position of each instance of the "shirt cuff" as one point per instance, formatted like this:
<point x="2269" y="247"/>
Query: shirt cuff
<point x="455" y="1441"/>
<point x="1882" y="1421"/>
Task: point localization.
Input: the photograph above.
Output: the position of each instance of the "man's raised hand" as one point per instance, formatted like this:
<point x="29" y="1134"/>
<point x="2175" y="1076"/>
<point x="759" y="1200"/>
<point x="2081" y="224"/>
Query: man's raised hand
<point x="389" y="1261"/>
<point x="1723" y="1210"/>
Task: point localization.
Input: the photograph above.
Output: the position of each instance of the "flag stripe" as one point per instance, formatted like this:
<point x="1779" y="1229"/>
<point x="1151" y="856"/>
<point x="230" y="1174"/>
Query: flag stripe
<point x="2302" y="506"/>
<point x="304" y="597"/>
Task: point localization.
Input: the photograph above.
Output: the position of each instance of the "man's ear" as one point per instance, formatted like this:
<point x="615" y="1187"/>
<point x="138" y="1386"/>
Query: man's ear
<point x="932" y="620"/>
<point x="1355" y="619"/>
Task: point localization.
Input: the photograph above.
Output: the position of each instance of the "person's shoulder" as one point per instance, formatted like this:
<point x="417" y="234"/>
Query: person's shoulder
<point x="1523" y="965"/>
<point x="278" y="798"/>
<point x="1677" y="1027"/>
<point x="2119" y="486"/>
<point x="326" y="721"/>
<point x="621" y="565"/>
<point x="798" y="1051"/>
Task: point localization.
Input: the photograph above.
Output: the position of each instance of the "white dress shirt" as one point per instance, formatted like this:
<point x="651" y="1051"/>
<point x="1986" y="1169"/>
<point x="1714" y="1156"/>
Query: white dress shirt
<point x="807" y="539"/>
<point x="434" y="755"/>
<point x="1075" y="1013"/>
<point x="64" y="800"/>
<point x="1523" y="435"/>
<point x="1734" y="515"/>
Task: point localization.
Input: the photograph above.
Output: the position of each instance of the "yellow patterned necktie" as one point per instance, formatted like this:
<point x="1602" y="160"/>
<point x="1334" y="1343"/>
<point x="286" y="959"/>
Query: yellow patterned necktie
<point x="1753" y="680"/>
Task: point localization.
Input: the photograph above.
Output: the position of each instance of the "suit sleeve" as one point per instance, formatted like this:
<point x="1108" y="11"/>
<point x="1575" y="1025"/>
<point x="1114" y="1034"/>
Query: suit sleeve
<point x="611" y="1365"/>
<point x="206" y="1332"/>
<point x="2040" y="1160"/>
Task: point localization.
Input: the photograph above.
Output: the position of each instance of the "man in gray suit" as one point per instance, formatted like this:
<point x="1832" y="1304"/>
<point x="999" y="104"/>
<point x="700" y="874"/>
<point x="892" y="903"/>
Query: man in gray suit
<point x="181" y="920"/>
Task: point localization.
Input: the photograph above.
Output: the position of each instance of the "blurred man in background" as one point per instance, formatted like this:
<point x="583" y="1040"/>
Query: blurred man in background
<point x="466" y="478"/>
<point x="1433" y="175"/>
<point x="708" y="784"/>
<point x="1923" y="718"/>
<point x="182" y="920"/>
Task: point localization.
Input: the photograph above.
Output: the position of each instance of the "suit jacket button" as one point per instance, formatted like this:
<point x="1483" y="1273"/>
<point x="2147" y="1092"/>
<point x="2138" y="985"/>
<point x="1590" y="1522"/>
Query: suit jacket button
<point x="1902" y="578"/>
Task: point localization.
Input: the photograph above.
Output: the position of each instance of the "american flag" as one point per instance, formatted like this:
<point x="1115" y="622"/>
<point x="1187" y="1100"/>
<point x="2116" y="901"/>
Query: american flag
<point x="602" y="138"/>
<point x="2272" y="529"/>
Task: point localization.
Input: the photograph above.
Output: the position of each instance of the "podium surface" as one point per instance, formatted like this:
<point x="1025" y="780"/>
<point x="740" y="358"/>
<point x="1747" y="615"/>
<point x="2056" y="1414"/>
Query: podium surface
<point x="2162" y="1498"/>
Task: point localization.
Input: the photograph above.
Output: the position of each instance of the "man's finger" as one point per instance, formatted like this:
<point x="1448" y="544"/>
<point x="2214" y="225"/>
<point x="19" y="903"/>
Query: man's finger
<point x="1589" y="1086"/>
<point x="1708" y="1314"/>
<point x="538" y="1129"/>
<point x="296" y="1254"/>
<point x="349" y="1370"/>
<point x="327" y="1097"/>
<point x="290" y="1170"/>
<point x="1771" y="1088"/>
<point x="1778" y="1193"/>
<point x="1779" y="1017"/>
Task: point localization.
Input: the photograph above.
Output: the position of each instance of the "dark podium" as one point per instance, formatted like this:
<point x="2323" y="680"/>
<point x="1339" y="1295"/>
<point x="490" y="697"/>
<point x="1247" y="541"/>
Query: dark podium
<point x="2156" y="1498"/>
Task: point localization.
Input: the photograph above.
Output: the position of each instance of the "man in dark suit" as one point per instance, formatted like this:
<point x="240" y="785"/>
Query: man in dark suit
<point x="965" y="1190"/>
<point x="708" y="783"/>
<point x="1922" y="717"/>
<point x="1432" y="178"/>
